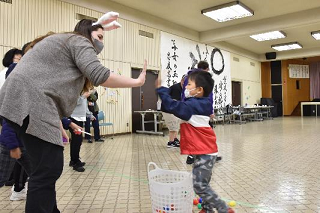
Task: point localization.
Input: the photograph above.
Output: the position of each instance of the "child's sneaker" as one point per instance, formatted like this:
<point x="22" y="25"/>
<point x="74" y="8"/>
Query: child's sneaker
<point x="71" y="163"/>
<point x="190" y="159"/>
<point x="22" y="195"/>
<point x="176" y="144"/>
<point x="79" y="167"/>
<point x="219" y="158"/>
<point x="25" y="189"/>
<point x="170" y="144"/>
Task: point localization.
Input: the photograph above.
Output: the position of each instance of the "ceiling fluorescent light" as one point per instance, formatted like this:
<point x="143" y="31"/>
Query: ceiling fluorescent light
<point x="287" y="46"/>
<point x="269" y="36"/>
<point x="228" y="11"/>
<point x="316" y="35"/>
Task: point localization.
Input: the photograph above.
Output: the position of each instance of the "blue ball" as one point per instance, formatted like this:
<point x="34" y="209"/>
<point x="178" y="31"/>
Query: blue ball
<point x="200" y="200"/>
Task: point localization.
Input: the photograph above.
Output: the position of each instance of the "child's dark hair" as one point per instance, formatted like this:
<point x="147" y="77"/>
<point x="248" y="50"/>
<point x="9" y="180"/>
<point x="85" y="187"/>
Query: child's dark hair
<point x="203" y="65"/>
<point x="202" y="79"/>
<point x="8" y="57"/>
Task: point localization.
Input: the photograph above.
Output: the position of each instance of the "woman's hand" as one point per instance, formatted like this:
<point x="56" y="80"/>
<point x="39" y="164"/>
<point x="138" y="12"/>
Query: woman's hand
<point x="120" y="81"/>
<point x="86" y="94"/>
<point x="142" y="76"/>
<point x="15" y="153"/>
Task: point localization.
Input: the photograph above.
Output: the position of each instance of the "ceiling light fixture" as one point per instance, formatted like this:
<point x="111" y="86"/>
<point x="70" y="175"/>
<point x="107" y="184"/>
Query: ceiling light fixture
<point x="269" y="36"/>
<point x="228" y="11"/>
<point x="316" y="35"/>
<point x="287" y="46"/>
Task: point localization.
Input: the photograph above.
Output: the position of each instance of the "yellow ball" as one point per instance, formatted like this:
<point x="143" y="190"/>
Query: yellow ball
<point x="232" y="203"/>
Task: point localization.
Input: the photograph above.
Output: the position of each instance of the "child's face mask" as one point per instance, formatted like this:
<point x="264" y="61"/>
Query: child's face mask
<point x="187" y="93"/>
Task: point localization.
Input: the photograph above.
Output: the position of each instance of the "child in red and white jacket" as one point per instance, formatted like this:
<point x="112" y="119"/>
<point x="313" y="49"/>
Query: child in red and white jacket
<point x="197" y="137"/>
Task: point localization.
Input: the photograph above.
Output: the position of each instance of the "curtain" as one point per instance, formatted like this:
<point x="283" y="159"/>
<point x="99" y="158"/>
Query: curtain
<point x="315" y="80"/>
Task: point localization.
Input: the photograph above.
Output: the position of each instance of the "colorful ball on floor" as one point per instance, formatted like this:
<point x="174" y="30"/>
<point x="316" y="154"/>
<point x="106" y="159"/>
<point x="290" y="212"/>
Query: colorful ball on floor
<point x="200" y="200"/>
<point x="195" y="201"/>
<point x="232" y="203"/>
<point x="199" y="206"/>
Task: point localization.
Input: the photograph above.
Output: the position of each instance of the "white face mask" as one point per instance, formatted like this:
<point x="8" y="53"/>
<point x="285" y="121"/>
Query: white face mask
<point x="187" y="93"/>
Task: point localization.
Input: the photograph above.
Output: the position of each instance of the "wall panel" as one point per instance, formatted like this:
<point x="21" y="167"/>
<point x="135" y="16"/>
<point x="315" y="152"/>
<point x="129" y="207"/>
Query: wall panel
<point x="24" y="20"/>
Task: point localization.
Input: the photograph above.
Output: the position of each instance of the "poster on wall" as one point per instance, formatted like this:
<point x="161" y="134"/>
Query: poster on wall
<point x="178" y="55"/>
<point x="298" y="71"/>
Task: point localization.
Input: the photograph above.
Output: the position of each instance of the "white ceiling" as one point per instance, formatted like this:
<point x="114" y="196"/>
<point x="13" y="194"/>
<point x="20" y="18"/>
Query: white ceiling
<point x="297" y="18"/>
<point x="188" y="12"/>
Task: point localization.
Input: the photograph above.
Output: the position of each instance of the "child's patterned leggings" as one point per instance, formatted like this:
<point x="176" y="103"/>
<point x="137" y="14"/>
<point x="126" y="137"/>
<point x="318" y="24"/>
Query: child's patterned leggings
<point x="202" y="171"/>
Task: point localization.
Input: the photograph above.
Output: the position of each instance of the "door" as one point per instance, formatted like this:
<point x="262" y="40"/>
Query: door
<point x="276" y="85"/>
<point x="236" y="93"/>
<point x="277" y="97"/>
<point x="144" y="98"/>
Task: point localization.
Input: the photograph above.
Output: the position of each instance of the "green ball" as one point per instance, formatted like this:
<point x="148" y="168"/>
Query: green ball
<point x="199" y="206"/>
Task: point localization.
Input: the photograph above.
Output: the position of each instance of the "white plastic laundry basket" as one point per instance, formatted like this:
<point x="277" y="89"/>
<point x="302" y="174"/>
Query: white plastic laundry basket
<point x="171" y="191"/>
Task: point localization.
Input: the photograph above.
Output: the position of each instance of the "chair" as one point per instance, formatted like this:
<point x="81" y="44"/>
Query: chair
<point x="270" y="102"/>
<point x="219" y="116"/>
<point x="103" y="123"/>
<point x="244" y="114"/>
<point x="228" y="113"/>
<point x="240" y="113"/>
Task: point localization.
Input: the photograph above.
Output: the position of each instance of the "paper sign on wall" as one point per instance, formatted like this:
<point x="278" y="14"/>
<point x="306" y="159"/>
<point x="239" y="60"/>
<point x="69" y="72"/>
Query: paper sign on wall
<point x="178" y="55"/>
<point x="298" y="71"/>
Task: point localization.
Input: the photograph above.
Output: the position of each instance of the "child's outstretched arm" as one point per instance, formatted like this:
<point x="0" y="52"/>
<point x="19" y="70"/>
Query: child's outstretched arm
<point x="178" y="108"/>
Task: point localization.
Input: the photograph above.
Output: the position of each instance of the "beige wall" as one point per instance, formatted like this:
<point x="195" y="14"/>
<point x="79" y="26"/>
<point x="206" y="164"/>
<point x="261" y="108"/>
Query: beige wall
<point x="24" y="20"/>
<point x="136" y="16"/>
<point x="291" y="96"/>
<point x="249" y="76"/>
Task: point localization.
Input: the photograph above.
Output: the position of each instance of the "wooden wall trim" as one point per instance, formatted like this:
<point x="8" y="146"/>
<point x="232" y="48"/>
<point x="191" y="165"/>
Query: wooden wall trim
<point x="266" y="79"/>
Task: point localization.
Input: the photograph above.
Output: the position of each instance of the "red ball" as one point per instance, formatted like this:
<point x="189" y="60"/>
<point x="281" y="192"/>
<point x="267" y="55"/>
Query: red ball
<point x="195" y="201"/>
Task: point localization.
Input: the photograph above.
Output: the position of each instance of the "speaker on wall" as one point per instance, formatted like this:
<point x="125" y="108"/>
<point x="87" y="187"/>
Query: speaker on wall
<point x="271" y="55"/>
